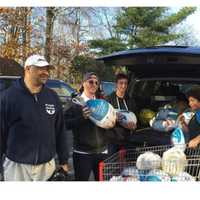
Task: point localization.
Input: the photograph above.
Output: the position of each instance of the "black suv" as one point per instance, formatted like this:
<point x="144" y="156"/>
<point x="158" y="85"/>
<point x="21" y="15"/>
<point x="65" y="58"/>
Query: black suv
<point x="63" y="89"/>
<point x="157" y="74"/>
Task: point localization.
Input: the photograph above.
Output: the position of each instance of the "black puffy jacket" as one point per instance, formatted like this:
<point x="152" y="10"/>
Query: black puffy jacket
<point x="87" y="136"/>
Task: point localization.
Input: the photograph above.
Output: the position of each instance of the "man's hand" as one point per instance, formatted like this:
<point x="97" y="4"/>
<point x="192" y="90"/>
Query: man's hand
<point x="119" y="116"/>
<point x="65" y="167"/>
<point x="86" y="112"/>
<point x="181" y="118"/>
<point x="130" y="126"/>
<point x="183" y="124"/>
<point x="169" y="124"/>
<point x="194" y="142"/>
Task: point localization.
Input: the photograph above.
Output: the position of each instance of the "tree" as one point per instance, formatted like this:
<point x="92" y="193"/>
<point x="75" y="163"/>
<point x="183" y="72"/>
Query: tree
<point x="50" y="19"/>
<point x="71" y="29"/>
<point x="26" y="33"/>
<point x="15" y="32"/>
<point x="107" y="46"/>
<point x="142" y="27"/>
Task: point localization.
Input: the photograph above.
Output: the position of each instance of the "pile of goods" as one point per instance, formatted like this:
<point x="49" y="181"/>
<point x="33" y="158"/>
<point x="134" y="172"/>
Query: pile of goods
<point x="151" y="167"/>
<point x="168" y="119"/>
<point x="146" y="115"/>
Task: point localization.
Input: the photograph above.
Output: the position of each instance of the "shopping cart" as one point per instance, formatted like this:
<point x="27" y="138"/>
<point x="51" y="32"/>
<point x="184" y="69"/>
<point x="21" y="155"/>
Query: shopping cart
<point x="115" y="164"/>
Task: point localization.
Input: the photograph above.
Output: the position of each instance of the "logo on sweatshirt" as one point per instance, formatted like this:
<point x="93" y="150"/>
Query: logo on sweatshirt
<point x="50" y="109"/>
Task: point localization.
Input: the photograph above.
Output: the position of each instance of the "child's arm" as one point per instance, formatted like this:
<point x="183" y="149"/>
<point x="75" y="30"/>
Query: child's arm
<point x="194" y="142"/>
<point x="183" y="124"/>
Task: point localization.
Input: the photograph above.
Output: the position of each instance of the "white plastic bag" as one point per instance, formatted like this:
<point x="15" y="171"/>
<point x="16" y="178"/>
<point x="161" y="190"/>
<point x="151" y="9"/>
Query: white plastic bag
<point x="174" y="161"/>
<point x="148" y="161"/>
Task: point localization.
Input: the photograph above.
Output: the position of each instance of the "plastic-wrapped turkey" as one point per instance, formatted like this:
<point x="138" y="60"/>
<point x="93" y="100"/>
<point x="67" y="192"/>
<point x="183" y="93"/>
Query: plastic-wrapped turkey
<point x="174" y="161"/>
<point x="148" y="161"/>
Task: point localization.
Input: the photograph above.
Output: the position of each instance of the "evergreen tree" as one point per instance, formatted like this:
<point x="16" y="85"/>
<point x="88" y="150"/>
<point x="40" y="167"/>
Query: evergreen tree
<point x="142" y="27"/>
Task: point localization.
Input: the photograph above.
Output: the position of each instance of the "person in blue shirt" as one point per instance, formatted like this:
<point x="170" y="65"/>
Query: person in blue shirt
<point x="193" y="127"/>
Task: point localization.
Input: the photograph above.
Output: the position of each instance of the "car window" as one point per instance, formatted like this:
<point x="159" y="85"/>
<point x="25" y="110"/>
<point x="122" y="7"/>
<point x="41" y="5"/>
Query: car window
<point x="108" y="87"/>
<point x="2" y="85"/>
<point x="151" y="95"/>
<point x="155" y="93"/>
<point x="60" y="88"/>
<point x="66" y="90"/>
<point x="5" y="83"/>
<point x="185" y="87"/>
<point x="158" y="87"/>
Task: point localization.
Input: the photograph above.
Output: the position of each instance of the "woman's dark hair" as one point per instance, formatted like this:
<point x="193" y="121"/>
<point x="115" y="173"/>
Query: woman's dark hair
<point x="81" y="89"/>
<point x="194" y="92"/>
<point x="121" y="76"/>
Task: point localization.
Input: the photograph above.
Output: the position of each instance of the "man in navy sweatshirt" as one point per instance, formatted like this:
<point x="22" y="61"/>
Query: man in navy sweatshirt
<point x="31" y="126"/>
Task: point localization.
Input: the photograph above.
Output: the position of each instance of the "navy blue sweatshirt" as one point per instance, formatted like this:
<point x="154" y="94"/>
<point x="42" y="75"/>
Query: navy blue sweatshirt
<point x="32" y="125"/>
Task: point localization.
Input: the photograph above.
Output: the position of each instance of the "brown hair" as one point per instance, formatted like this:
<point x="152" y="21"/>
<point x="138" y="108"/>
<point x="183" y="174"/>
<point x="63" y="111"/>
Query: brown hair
<point x="194" y="92"/>
<point x="121" y="76"/>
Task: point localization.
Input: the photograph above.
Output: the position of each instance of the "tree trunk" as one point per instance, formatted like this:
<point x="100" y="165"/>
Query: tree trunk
<point x="50" y="14"/>
<point x="26" y="35"/>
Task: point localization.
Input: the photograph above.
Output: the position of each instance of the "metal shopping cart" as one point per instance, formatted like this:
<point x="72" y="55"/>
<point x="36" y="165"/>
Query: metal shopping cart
<point x="115" y="164"/>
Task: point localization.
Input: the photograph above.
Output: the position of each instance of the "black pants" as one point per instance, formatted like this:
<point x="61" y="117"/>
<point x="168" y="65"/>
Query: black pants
<point x="114" y="148"/>
<point x="84" y="164"/>
<point x="147" y="137"/>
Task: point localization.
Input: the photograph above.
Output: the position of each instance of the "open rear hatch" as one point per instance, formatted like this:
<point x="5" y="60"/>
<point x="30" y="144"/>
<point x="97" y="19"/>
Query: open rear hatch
<point x="160" y="61"/>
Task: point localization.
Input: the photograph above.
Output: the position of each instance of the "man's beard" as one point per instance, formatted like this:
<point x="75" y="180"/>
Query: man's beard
<point x="43" y="79"/>
<point x="40" y="81"/>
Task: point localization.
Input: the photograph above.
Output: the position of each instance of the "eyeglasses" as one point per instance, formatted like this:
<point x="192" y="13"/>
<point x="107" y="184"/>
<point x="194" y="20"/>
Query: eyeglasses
<point x="91" y="82"/>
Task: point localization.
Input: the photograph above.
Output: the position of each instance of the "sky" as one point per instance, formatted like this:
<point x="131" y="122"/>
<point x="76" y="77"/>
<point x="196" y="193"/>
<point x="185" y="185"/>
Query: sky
<point x="194" y="21"/>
